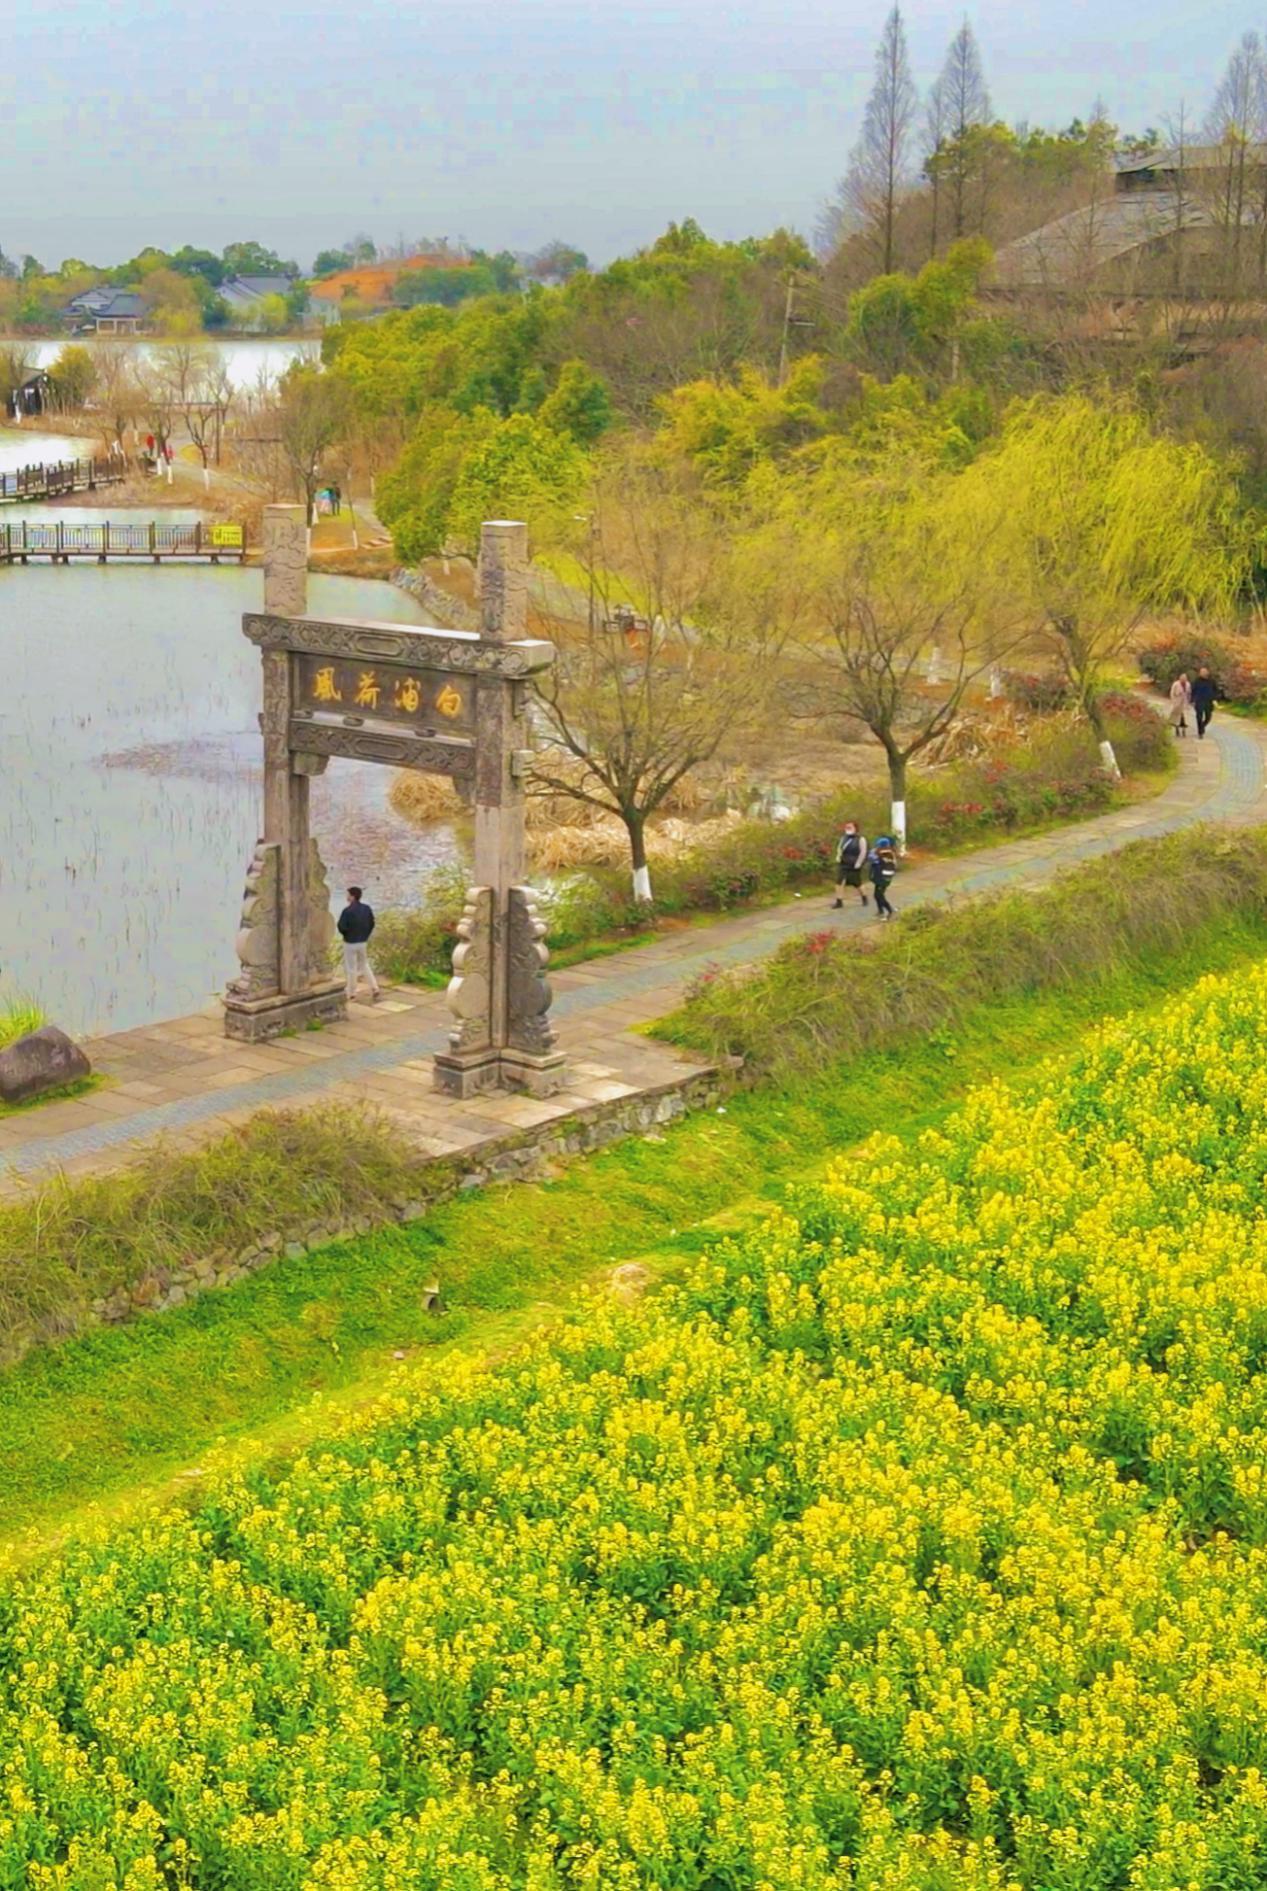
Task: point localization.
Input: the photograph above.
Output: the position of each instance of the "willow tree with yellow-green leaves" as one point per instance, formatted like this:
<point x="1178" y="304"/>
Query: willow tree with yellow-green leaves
<point x="1093" y="520"/>
<point x="878" y="586"/>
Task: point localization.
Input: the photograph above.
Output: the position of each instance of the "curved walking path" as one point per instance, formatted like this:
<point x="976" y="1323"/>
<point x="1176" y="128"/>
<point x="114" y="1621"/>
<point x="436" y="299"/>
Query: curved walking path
<point x="183" y="1080"/>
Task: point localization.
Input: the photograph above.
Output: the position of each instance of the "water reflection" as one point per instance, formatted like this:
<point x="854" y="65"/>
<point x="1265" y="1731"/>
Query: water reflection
<point x="244" y="356"/>
<point x="129" y="785"/>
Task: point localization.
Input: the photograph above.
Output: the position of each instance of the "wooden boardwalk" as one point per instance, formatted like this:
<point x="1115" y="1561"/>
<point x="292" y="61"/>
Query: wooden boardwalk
<point x="65" y="542"/>
<point x="63" y="476"/>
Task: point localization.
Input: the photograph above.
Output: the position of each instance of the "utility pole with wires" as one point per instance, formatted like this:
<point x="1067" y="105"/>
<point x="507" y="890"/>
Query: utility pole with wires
<point x="790" y="321"/>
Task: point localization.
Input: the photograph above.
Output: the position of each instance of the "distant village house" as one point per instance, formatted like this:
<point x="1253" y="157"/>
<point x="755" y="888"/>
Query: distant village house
<point x="104" y="311"/>
<point x="1161" y="223"/>
<point x="246" y="296"/>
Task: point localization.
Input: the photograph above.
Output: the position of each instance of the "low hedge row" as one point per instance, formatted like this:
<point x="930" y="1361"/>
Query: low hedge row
<point x="1055" y="775"/>
<point x="829" y="996"/>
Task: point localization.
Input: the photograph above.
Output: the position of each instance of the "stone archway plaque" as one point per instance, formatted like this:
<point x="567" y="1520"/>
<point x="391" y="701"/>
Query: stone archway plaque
<point x="448" y="702"/>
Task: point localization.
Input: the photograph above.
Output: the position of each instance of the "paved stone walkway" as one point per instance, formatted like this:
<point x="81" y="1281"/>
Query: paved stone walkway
<point x="183" y="1080"/>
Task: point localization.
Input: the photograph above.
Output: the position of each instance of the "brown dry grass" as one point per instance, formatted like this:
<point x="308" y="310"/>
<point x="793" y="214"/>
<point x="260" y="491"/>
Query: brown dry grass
<point x="422" y="798"/>
<point x="604" y="842"/>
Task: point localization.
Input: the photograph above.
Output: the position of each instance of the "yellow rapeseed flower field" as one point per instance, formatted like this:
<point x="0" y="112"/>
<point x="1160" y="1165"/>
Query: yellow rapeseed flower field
<point x="918" y="1542"/>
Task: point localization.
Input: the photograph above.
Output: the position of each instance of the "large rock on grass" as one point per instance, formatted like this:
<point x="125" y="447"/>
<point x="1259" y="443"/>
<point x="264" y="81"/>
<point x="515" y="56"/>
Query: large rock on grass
<point x="42" y="1060"/>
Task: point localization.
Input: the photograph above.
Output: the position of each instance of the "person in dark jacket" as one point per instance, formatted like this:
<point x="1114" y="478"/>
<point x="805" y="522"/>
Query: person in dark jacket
<point x="1204" y="695"/>
<point x="882" y="863"/>
<point x="851" y="858"/>
<point x="356" y="923"/>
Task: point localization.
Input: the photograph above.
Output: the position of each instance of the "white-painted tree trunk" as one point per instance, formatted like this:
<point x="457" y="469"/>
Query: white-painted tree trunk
<point x="206" y="479"/>
<point x="996" y="682"/>
<point x="897" y="817"/>
<point x="642" y="884"/>
<point x="1109" y="759"/>
<point x="934" y="665"/>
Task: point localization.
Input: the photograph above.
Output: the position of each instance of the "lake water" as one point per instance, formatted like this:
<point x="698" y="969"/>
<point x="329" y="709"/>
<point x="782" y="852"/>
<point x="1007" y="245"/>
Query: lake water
<point x="23" y="446"/>
<point x="130" y="786"/>
<point x="244" y="356"/>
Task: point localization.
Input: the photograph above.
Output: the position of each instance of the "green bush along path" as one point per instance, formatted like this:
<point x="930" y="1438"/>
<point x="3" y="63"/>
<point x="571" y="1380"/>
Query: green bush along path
<point x="183" y="1080"/>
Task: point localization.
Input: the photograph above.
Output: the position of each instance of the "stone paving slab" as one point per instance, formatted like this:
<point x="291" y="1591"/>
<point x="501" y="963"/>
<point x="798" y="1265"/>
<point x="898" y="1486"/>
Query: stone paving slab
<point x="183" y="1080"/>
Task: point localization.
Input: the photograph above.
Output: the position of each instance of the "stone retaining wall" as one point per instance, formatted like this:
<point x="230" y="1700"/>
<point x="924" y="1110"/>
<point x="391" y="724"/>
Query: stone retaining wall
<point x="518" y="1156"/>
<point x="449" y="612"/>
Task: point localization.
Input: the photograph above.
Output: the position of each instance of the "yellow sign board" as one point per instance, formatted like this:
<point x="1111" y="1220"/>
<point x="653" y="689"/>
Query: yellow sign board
<point x="227" y="537"/>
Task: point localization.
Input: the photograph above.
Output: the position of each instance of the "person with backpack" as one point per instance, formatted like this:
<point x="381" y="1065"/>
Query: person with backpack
<point x="1204" y="691"/>
<point x="851" y="858"/>
<point x="883" y="865"/>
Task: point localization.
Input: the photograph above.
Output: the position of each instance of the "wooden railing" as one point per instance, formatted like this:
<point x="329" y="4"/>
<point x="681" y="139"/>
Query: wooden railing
<point x="62" y="476"/>
<point x="65" y="539"/>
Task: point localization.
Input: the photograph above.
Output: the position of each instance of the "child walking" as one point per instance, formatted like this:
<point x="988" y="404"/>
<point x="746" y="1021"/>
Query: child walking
<point x="883" y="865"/>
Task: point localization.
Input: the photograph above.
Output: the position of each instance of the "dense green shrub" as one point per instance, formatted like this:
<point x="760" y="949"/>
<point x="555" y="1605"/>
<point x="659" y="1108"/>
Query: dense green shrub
<point x="830" y="995"/>
<point x="1139" y="735"/>
<point x="1168" y="657"/>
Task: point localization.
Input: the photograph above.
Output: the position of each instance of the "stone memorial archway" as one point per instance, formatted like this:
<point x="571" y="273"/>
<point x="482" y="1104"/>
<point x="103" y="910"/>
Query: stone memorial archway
<point x="450" y="702"/>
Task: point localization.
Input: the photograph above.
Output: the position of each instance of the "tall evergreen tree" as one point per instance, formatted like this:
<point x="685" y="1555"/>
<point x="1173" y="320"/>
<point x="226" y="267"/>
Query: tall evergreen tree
<point x="880" y="166"/>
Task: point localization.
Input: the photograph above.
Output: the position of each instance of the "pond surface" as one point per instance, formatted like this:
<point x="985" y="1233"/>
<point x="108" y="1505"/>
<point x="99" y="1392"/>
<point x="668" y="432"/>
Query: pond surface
<point x="23" y="446"/>
<point x="130" y="786"/>
<point x="245" y="357"/>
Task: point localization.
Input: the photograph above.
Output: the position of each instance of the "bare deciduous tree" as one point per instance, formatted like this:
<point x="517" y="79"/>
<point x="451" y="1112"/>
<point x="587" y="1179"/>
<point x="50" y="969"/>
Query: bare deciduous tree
<point x="633" y="710"/>
<point x="117" y="394"/>
<point x="963" y="105"/>
<point x="936" y="119"/>
<point x="879" y="169"/>
<point x="1234" y="186"/>
<point x="313" y="416"/>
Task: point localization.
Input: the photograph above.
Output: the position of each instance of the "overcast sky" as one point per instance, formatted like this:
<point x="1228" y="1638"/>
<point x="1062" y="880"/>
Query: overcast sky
<point x="508" y="122"/>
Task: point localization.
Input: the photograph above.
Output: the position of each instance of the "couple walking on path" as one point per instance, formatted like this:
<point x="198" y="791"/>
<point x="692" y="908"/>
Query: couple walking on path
<point x="1199" y="695"/>
<point x="879" y="863"/>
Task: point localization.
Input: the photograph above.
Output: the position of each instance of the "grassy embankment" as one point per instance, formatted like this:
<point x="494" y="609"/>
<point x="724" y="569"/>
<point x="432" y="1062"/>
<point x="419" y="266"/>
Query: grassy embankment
<point x="112" y="1412"/>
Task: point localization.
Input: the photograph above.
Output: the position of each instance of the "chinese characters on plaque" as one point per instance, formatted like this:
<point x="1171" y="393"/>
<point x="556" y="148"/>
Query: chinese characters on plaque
<point x="429" y="700"/>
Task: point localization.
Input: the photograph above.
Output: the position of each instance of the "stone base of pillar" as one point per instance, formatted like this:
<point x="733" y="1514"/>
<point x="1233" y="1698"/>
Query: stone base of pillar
<point x="253" y="1020"/>
<point x="539" y="1076"/>
<point x="475" y="1073"/>
<point x="466" y="1073"/>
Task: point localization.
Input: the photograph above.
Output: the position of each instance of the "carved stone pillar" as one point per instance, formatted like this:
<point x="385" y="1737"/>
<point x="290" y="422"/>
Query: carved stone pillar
<point x="501" y="928"/>
<point x="530" y="1056"/>
<point x="297" y="953"/>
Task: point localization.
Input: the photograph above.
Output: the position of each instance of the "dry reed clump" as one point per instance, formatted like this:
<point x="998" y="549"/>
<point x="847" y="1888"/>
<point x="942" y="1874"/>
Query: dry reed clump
<point x="549" y="807"/>
<point x="70" y="1244"/>
<point x="604" y="842"/>
<point x="422" y="798"/>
